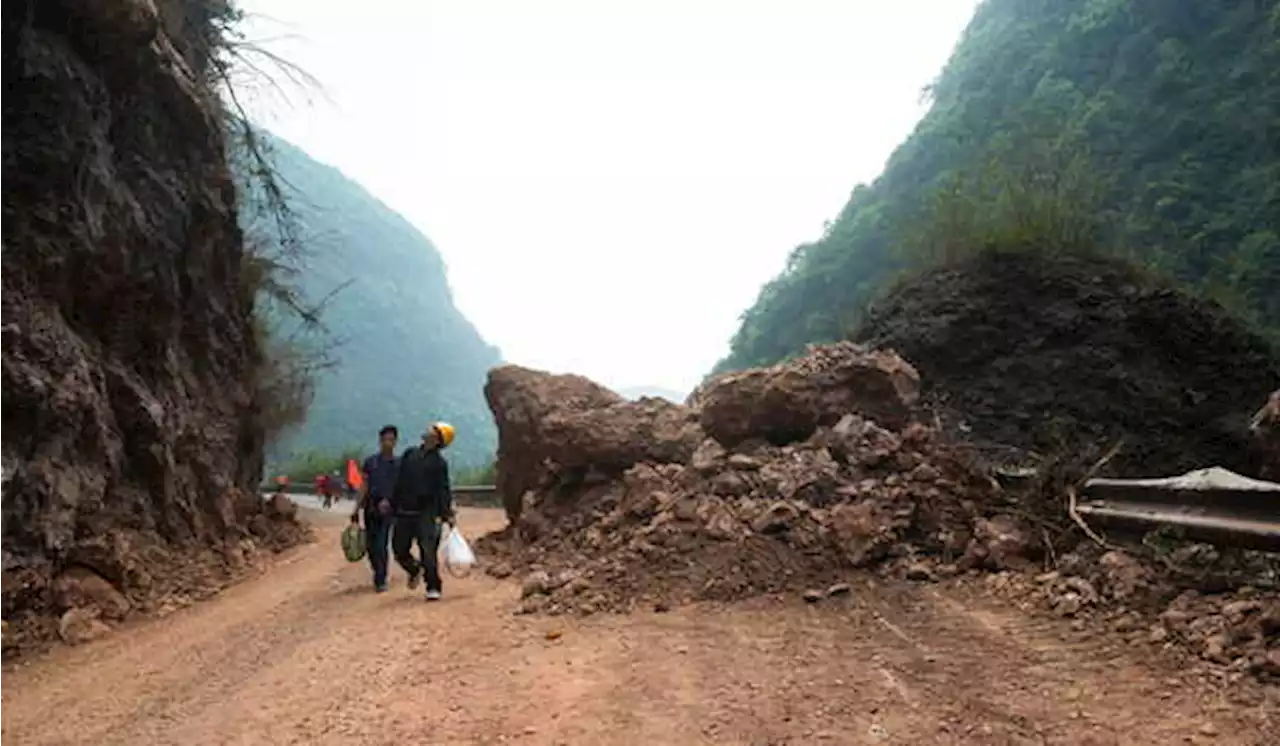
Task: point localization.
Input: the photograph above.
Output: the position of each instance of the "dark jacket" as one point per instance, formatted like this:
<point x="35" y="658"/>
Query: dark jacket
<point x="422" y="485"/>
<point x="380" y="477"/>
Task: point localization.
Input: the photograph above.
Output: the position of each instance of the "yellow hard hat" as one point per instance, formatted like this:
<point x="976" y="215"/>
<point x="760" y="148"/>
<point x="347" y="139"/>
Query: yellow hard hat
<point x="446" y="432"/>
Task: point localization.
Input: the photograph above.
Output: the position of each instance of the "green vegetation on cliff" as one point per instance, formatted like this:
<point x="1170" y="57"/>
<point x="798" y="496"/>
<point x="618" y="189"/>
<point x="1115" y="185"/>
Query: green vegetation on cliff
<point x="1153" y="126"/>
<point x="396" y="349"/>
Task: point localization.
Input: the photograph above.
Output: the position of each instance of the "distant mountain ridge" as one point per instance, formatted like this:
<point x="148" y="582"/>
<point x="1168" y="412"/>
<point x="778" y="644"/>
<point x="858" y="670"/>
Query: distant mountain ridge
<point x="407" y="356"/>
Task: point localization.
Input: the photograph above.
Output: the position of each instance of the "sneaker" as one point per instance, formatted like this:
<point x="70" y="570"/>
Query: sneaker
<point x="433" y="595"/>
<point x="414" y="580"/>
<point x="380" y="587"/>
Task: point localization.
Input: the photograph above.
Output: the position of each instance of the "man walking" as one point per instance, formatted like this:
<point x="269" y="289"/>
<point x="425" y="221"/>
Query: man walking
<point x="322" y="489"/>
<point x="374" y="501"/>
<point x="423" y="501"/>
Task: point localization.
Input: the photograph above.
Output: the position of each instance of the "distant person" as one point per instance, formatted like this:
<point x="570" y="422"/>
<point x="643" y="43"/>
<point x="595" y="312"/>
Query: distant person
<point x="423" y="502"/>
<point x="353" y="477"/>
<point x="374" y="502"/>
<point x="325" y="489"/>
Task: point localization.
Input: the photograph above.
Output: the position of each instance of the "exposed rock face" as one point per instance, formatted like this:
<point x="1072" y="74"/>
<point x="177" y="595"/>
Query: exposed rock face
<point x="788" y="401"/>
<point x="565" y="425"/>
<point x="129" y="350"/>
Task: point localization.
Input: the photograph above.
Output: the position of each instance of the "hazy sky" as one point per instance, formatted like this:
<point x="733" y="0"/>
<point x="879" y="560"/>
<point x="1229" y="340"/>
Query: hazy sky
<point x="609" y="181"/>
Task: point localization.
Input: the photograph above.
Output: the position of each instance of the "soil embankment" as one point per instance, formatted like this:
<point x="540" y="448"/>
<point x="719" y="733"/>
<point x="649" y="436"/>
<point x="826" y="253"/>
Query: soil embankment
<point x="1067" y="355"/>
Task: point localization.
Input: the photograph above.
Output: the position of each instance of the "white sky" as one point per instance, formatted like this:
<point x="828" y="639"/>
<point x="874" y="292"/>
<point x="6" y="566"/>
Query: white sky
<point x="609" y="181"/>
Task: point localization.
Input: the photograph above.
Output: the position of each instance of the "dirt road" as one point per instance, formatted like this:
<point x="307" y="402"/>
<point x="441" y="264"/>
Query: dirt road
<point x="306" y="654"/>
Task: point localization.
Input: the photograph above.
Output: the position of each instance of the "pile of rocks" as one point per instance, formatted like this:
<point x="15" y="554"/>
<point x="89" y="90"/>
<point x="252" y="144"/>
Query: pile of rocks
<point x="118" y="574"/>
<point x="1119" y="594"/>
<point x="784" y="479"/>
<point x="780" y="478"/>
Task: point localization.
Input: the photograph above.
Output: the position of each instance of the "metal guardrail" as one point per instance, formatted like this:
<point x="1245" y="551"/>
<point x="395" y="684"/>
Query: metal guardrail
<point x="1212" y="505"/>
<point x="471" y="495"/>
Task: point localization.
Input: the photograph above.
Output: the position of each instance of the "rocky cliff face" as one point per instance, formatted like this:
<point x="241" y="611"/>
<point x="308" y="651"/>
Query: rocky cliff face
<point x="130" y="450"/>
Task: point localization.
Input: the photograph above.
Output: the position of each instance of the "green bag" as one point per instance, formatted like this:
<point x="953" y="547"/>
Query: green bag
<point x="353" y="542"/>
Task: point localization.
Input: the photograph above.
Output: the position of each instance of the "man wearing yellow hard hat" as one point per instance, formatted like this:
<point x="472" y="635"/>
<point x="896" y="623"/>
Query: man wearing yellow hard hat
<point x="423" y="501"/>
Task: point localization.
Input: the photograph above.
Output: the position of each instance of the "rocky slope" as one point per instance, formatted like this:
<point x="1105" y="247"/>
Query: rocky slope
<point x="1067" y="354"/>
<point x="790" y="478"/>
<point x="130" y="453"/>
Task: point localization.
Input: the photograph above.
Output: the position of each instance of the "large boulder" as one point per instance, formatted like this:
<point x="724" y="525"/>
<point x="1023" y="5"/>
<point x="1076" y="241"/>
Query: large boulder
<point x="787" y="402"/>
<point x="614" y="438"/>
<point x="548" y="423"/>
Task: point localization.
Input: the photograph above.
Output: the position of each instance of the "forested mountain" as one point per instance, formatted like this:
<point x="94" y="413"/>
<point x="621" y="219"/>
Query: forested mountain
<point x="404" y="354"/>
<point x="1161" y="118"/>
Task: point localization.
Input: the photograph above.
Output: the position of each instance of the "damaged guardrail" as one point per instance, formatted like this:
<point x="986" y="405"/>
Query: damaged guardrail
<point x="1213" y="505"/>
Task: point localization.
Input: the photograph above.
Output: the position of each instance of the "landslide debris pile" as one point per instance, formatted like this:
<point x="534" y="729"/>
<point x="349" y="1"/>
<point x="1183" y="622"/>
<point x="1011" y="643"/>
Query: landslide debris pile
<point x="785" y="479"/>
<point x="1063" y="354"/>
<point x="778" y="480"/>
<point x="131" y="454"/>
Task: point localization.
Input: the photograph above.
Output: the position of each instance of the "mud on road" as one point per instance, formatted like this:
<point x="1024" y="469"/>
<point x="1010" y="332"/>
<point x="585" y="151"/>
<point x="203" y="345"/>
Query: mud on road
<point x="306" y="654"/>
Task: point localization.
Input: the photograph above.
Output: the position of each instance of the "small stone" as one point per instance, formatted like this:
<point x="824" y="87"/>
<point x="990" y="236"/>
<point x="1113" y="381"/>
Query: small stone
<point x="1209" y="729"/>
<point x="775" y="519"/>
<point x="535" y="583"/>
<point x="1236" y="611"/>
<point x="839" y="589"/>
<point x="686" y="510"/>
<point x="555" y="634"/>
<point x="1215" y="648"/>
<point x="79" y="626"/>
<point x="920" y="573"/>
<point x="813" y="596"/>
<point x="1068" y="604"/>
<point x="662" y="607"/>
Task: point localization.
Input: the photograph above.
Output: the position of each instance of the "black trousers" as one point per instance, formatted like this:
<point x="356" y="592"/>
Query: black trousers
<point x="426" y="532"/>
<point x="377" y="528"/>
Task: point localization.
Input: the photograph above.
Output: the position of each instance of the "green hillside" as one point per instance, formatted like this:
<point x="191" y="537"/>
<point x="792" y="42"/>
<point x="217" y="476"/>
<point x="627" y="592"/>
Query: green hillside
<point x="1166" y="113"/>
<point x="404" y="354"/>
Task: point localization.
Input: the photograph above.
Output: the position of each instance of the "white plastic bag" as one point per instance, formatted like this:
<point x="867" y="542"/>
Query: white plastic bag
<point x="458" y="557"/>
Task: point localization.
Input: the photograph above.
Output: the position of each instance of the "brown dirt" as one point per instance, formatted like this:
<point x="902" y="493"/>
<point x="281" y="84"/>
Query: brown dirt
<point x="1060" y="353"/>
<point x="293" y="657"/>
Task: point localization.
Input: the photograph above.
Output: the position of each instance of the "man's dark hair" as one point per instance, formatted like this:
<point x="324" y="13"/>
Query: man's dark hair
<point x="389" y="429"/>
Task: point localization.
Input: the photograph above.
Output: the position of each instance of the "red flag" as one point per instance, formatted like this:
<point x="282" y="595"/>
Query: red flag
<point x="354" y="477"/>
